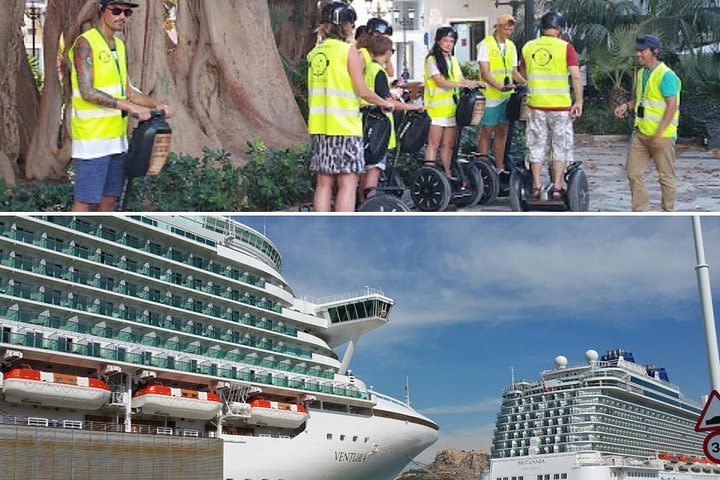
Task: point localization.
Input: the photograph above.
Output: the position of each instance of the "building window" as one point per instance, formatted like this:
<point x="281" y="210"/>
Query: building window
<point x="329" y="436"/>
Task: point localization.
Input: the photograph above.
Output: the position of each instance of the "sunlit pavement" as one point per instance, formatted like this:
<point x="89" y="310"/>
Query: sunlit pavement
<point x="698" y="176"/>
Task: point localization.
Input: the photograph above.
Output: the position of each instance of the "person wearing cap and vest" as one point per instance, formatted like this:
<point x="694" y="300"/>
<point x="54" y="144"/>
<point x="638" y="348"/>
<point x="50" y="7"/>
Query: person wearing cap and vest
<point x="102" y="97"/>
<point x="335" y="86"/>
<point x="549" y="62"/>
<point x="498" y="62"/>
<point x="443" y="78"/>
<point x="376" y="78"/>
<point x="656" y="105"/>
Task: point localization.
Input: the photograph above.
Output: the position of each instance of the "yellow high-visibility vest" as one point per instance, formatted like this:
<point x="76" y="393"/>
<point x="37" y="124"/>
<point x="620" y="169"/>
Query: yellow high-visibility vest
<point x="371" y="72"/>
<point x="654" y="104"/>
<point x="547" y="73"/>
<point x="500" y="66"/>
<point x="440" y="102"/>
<point x="96" y="130"/>
<point x="334" y="104"/>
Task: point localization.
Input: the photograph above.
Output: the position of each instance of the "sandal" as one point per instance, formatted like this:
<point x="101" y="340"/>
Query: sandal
<point x="536" y="192"/>
<point x="557" y="193"/>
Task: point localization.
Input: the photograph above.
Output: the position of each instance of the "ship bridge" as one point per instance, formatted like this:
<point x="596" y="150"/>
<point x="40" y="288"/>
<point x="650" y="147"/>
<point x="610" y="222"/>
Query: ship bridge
<point x="351" y="315"/>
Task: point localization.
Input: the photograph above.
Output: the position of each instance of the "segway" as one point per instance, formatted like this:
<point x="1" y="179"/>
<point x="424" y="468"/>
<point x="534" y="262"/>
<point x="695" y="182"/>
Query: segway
<point x="147" y="153"/>
<point x="497" y="183"/>
<point x="431" y="190"/>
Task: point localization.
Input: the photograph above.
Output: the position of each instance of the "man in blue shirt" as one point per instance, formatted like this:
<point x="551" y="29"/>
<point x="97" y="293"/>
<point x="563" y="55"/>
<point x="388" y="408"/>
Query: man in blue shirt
<point x="656" y="103"/>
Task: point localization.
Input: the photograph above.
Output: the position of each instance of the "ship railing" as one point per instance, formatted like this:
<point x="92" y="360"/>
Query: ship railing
<point x="98" y="426"/>
<point x="389" y="399"/>
<point x="366" y="292"/>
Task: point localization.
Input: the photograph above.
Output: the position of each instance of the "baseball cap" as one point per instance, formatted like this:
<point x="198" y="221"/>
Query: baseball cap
<point x="107" y="3"/>
<point x="647" y="41"/>
<point x="505" y="19"/>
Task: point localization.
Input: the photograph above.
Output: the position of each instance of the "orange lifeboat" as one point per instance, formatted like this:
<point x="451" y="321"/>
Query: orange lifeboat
<point x="177" y="402"/>
<point x="664" y="456"/>
<point x="276" y="414"/>
<point x="25" y="385"/>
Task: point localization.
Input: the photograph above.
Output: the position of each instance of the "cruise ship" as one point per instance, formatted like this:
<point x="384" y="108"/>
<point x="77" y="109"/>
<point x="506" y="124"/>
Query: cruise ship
<point x="172" y="347"/>
<point x="607" y="418"/>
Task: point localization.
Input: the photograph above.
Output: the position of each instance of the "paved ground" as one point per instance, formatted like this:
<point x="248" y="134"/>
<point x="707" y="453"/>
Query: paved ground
<point x="698" y="172"/>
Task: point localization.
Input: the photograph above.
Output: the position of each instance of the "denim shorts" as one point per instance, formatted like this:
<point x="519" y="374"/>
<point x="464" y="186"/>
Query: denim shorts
<point x="495" y="115"/>
<point x="96" y="178"/>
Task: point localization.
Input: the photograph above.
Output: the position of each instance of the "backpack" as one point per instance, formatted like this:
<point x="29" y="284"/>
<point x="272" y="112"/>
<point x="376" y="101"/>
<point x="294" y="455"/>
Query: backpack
<point x="376" y="134"/>
<point x="412" y="131"/>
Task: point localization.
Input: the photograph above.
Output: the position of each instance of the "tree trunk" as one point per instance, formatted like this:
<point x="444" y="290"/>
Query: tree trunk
<point x="224" y="80"/>
<point x="17" y="101"/>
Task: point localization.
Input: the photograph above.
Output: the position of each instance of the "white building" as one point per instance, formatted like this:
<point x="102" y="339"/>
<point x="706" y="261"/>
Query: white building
<point x="415" y="23"/>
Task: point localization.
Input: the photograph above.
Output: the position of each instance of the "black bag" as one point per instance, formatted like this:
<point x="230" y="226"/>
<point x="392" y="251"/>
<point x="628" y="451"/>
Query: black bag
<point x="513" y="109"/>
<point x="466" y="107"/>
<point x="412" y="131"/>
<point x="149" y="147"/>
<point x="376" y="134"/>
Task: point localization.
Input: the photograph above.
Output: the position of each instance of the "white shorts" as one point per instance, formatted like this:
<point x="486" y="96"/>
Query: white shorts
<point x="444" y="122"/>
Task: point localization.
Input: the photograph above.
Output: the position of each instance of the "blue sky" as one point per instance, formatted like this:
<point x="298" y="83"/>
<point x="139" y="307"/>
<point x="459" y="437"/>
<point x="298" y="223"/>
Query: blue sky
<point x="477" y="296"/>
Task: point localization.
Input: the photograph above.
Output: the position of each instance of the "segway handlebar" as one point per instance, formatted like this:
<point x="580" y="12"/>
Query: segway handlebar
<point x="153" y="114"/>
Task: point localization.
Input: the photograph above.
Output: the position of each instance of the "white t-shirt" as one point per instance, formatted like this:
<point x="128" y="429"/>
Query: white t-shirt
<point x="484" y="56"/>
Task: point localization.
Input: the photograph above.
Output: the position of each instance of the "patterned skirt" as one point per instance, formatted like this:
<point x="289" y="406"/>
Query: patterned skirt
<point x="337" y="154"/>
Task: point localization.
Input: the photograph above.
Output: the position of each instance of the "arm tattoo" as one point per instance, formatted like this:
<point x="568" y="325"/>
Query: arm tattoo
<point x="86" y="76"/>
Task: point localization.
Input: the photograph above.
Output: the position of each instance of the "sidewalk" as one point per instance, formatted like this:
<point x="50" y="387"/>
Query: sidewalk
<point x="698" y="177"/>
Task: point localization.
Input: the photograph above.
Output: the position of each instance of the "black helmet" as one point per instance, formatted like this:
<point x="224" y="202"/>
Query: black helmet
<point x="379" y="25"/>
<point x="360" y="31"/>
<point x="552" y="20"/>
<point x="446" y="32"/>
<point x="338" y="13"/>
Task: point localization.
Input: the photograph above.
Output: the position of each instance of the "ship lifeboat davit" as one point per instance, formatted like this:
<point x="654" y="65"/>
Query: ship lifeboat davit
<point x="276" y="414"/>
<point x="24" y="385"/>
<point x="177" y="402"/>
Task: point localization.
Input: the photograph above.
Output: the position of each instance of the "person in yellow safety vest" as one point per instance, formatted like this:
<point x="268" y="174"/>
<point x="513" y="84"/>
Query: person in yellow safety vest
<point x="102" y="97"/>
<point x="547" y="62"/>
<point x="335" y="86"/>
<point x="656" y="105"/>
<point x="443" y="78"/>
<point x="376" y="78"/>
<point x="498" y="61"/>
<point x="374" y="27"/>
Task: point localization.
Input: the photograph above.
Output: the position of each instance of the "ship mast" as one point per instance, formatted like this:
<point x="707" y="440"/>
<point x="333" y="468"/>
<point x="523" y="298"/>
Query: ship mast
<point x="703" y="277"/>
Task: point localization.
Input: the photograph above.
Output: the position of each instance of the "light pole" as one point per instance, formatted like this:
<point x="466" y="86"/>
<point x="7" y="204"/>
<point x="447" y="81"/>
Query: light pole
<point x="406" y="19"/>
<point x="381" y="7"/>
<point x="33" y="12"/>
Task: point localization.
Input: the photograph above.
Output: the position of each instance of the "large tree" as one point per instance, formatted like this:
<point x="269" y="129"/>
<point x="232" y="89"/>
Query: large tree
<point x="223" y="78"/>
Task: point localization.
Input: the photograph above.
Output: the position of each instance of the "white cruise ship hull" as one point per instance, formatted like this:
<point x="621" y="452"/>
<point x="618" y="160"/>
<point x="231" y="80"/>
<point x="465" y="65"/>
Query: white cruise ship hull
<point x="326" y="450"/>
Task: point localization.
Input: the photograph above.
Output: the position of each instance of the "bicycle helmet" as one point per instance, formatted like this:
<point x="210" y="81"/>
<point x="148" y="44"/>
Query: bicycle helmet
<point x="379" y="25"/>
<point x="446" y="32"/>
<point x="552" y="20"/>
<point x="338" y="13"/>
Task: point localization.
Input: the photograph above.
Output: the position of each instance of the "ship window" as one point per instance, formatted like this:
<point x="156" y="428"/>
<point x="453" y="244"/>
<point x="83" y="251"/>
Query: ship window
<point x="54" y="270"/>
<point x="121" y="354"/>
<point x="154" y="295"/>
<point x="329" y="436"/>
<point x="25" y="235"/>
<point x="355" y="438"/>
<point x="154" y="271"/>
<point x="132" y="266"/>
<point x="170" y="362"/>
<point x="563" y="475"/>
<point x="539" y="477"/>
<point x="367" y="439"/>
<point x="107" y="258"/>
<point x="154" y="248"/>
<point x="65" y="344"/>
<point x="547" y="476"/>
<point x="5" y="337"/>
<point x="177" y="278"/>
<point x="146" y="358"/>
<point x="34" y="339"/>
<point x="556" y="476"/>
<point x="94" y="349"/>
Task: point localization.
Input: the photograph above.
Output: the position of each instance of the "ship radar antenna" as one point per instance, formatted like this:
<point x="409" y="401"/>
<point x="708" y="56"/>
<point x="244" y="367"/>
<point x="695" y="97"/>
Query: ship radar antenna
<point x="407" y="390"/>
<point x="512" y="376"/>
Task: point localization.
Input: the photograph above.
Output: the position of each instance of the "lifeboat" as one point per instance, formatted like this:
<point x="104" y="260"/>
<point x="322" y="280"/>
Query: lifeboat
<point x="177" y="402"/>
<point x="25" y="385"/>
<point x="276" y="414"/>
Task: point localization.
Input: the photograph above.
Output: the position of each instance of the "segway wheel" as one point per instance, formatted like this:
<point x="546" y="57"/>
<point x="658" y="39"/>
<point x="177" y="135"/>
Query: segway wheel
<point x="578" y="194"/>
<point x="475" y="184"/>
<point x="491" y="180"/>
<point x="384" y="203"/>
<point x="518" y="192"/>
<point x="396" y="183"/>
<point x="430" y="190"/>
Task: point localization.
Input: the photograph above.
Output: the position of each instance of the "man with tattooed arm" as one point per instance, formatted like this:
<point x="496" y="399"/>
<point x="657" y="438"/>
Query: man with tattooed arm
<point x="102" y="99"/>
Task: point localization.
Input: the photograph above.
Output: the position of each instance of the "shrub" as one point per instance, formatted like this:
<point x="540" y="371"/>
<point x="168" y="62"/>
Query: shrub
<point x="36" y="197"/>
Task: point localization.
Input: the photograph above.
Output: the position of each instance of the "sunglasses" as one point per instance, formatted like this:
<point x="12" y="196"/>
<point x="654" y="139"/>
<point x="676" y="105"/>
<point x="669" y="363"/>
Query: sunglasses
<point x="117" y="11"/>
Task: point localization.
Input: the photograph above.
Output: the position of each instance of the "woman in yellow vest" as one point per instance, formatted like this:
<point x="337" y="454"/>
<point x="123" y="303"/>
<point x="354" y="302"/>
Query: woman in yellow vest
<point x="656" y="105"/>
<point x="102" y="96"/>
<point x="498" y="62"/>
<point x="376" y="78"/>
<point x="442" y="80"/>
<point x="335" y="86"/>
